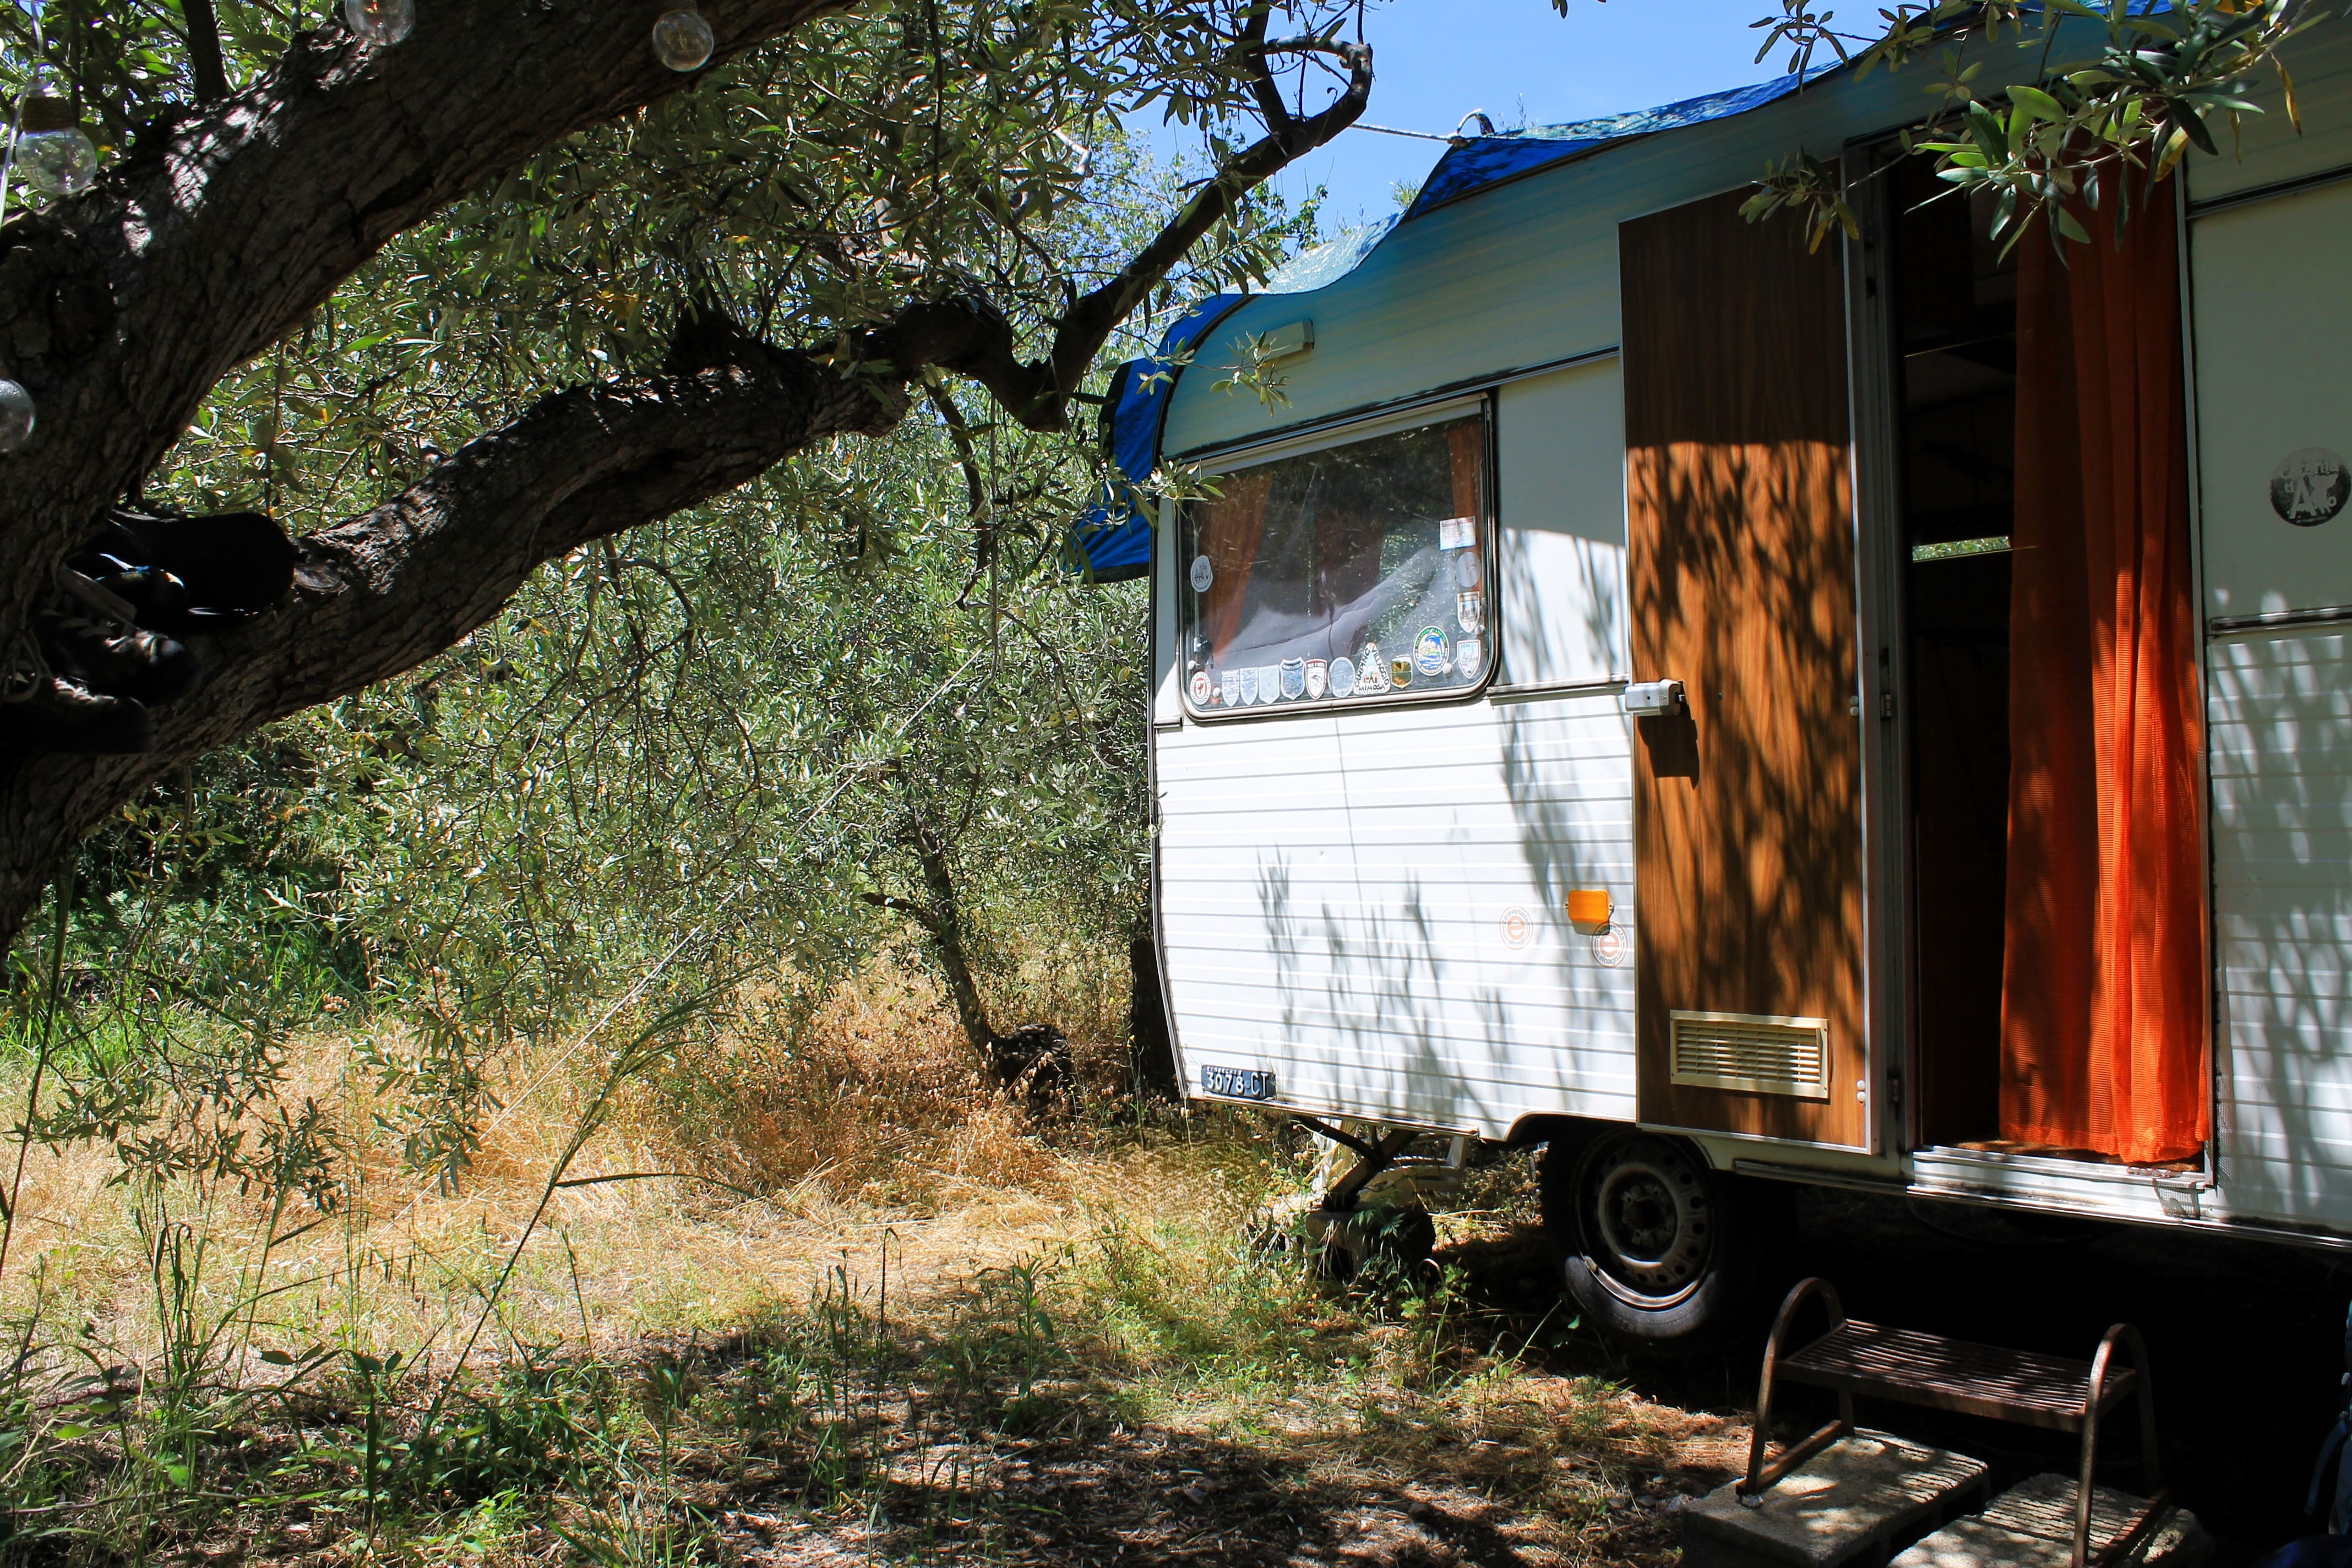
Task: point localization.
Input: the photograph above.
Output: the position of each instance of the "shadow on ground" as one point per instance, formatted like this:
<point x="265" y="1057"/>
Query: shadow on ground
<point x="2246" y="1340"/>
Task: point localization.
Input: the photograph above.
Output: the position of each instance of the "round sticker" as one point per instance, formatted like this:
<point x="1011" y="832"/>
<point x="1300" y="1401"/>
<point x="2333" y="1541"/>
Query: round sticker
<point x="1466" y="570"/>
<point x="1518" y="929"/>
<point x="1204" y="575"/>
<point x="2309" y="487"/>
<point x="1202" y="689"/>
<point x="1608" y="947"/>
<point x="1432" y="651"/>
<point x="1343" y="677"/>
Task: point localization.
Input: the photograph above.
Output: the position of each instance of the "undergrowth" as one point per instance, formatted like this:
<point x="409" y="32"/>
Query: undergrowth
<point x="815" y="1290"/>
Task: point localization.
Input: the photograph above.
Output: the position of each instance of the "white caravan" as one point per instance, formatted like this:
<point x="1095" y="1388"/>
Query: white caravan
<point x="1877" y="718"/>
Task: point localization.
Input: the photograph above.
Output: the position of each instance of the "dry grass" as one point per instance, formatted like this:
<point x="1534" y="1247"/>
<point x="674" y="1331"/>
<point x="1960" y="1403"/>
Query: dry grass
<point x="1075" y="1336"/>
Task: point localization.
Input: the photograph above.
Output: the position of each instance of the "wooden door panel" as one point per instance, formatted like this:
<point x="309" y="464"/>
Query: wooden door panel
<point x="1747" y="808"/>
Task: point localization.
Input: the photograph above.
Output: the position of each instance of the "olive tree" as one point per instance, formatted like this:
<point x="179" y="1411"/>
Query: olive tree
<point x="775" y="250"/>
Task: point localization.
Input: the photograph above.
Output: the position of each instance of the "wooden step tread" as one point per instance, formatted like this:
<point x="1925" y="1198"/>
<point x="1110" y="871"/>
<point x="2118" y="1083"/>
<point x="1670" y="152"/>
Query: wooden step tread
<point x="2022" y="1386"/>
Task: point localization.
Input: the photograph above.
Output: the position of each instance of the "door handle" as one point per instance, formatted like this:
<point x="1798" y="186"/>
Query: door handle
<point x="1653" y="699"/>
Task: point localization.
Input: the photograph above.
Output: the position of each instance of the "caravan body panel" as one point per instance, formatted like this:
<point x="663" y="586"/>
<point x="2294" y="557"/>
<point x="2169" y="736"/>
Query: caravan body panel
<point x="1369" y="903"/>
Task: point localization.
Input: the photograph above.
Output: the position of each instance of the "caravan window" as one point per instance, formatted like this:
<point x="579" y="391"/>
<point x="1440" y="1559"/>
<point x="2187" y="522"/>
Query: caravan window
<point x="1354" y="573"/>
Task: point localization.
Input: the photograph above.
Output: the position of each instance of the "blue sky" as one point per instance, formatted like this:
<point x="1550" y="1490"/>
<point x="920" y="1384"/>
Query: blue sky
<point x="1435" y="60"/>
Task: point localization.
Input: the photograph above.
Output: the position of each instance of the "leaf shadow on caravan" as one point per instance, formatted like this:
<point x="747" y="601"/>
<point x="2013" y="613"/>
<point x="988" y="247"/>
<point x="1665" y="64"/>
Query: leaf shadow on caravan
<point x="1749" y="851"/>
<point x="1565" y="773"/>
<point x="2280" y="757"/>
<point x="1394" y="1022"/>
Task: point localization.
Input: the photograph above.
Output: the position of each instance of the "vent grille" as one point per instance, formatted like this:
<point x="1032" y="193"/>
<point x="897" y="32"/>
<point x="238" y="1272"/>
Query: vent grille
<point x="1753" y="1054"/>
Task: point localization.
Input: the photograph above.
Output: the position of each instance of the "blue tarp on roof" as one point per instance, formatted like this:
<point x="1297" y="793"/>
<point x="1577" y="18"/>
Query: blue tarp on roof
<point x="1479" y="162"/>
<point x="1112" y="542"/>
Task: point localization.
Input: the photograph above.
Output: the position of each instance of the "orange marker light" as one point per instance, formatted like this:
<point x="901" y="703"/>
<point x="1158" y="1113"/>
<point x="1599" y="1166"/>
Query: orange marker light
<point x="1589" y="909"/>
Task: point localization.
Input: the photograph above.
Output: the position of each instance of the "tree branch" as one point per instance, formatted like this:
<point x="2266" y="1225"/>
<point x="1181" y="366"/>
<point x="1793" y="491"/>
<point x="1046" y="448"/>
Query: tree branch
<point x="907" y="907"/>
<point x="224" y="230"/>
<point x="380" y="594"/>
<point x="972" y="338"/>
<point x="210" y="76"/>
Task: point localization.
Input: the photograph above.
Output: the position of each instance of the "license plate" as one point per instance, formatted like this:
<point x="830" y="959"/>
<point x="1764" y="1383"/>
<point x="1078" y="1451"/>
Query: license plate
<point x="1238" y="1083"/>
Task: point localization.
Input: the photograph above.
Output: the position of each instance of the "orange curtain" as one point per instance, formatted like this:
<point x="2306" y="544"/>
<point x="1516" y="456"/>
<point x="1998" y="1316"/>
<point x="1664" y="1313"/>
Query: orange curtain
<point x="2104" y="1029"/>
<point x="1231" y="527"/>
<point x="1466" y="448"/>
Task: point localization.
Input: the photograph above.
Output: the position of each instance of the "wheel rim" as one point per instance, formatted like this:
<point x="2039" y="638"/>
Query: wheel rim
<point x="1653" y="1223"/>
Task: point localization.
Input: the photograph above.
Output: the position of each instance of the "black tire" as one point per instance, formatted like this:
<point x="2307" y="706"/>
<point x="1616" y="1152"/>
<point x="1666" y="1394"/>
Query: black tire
<point x="1659" y="1249"/>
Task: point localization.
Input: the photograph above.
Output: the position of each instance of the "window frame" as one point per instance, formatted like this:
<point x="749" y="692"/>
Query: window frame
<point x="1277" y="449"/>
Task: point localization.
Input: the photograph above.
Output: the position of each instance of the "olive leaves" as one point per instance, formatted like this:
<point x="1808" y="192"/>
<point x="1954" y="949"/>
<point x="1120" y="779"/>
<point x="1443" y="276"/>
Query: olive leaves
<point x="2093" y="134"/>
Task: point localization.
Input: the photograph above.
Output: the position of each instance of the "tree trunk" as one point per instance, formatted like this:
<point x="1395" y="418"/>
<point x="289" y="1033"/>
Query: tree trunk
<point x="944" y="925"/>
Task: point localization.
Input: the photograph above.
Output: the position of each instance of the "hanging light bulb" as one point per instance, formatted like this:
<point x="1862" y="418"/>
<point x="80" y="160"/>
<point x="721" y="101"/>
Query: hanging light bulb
<point x="381" y="22"/>
<point x="15" y="416"/>
<point x="682" y="39"/>
<point x="54" y="154"/>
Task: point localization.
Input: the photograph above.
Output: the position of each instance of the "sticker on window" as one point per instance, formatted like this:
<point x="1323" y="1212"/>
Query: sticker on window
<point x="1432" y="651"/>
<point x="1316" y="577"/>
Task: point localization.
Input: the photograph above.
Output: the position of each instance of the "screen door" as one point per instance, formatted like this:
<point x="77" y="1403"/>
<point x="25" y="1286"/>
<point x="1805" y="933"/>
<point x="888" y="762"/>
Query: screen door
<point x="1740" y="559"/>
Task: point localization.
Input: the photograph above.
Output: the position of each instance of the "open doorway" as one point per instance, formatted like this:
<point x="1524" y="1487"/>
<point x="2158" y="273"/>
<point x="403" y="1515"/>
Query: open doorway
<point x="2055" y="742"/>
<point x="1955" y="316"/>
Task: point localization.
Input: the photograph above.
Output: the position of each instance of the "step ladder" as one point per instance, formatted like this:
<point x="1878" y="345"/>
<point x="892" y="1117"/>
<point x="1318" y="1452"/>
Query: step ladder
<point x="2049" y="1392"/>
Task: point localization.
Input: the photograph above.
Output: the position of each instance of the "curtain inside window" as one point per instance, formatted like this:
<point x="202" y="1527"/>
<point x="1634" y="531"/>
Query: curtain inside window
<point x="1466" y="448"/>
<point x="1231" y="527"/>
<point x="2104" y="1033"/>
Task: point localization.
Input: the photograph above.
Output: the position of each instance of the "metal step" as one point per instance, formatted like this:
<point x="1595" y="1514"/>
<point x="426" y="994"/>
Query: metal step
<point x="1849" y="1506"/>
<point x="2033" y="1390"/>
<point x="2032" y="1525"/>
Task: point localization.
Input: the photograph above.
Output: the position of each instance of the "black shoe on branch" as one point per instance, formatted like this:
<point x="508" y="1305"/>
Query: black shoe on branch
<point x="119" y="661"/>
<point x="154" y="595"/>
<point x="93" y="637"/>
<point x="66" y="716"/>
<point x="220" y="570"/>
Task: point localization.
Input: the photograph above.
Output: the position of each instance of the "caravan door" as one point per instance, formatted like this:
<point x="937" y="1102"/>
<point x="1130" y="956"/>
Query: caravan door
<point x="1740" y="558"/>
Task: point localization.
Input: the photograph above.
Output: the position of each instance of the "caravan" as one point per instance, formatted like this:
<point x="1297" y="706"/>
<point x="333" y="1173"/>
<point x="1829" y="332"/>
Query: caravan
<point x="1878" y="717"/>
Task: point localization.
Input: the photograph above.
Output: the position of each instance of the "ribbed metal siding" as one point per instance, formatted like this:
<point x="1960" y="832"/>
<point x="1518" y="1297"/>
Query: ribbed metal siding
<point x="1335" y="899"/>
<point x="2280" y="738"/>
<point x="2268" y="151"/>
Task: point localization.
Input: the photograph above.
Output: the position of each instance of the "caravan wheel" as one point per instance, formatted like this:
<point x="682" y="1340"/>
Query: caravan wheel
<point x="1658" y="1247"/>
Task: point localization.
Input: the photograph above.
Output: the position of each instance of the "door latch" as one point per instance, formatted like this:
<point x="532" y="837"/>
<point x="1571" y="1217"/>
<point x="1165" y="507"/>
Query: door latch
<point x="1653" y="699"/>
